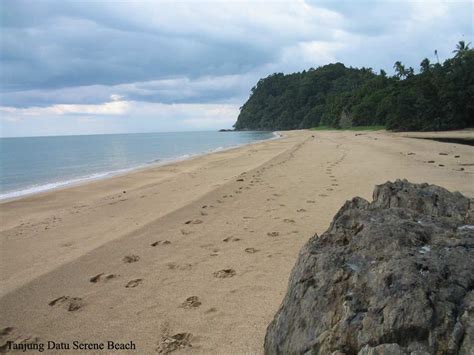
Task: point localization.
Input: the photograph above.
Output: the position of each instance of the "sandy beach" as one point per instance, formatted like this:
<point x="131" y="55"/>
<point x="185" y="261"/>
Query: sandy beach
<point x="202" y="247"/>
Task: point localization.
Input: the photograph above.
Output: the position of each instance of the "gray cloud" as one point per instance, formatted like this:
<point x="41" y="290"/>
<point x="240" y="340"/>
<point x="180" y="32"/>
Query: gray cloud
<point x="188" y="52"/>
<point x="58" y="55"/>
<point x="207" y="89"/>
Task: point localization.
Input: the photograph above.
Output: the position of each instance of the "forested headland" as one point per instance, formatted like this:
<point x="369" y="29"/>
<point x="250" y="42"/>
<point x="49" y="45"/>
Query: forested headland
<point x="437" y="97"/>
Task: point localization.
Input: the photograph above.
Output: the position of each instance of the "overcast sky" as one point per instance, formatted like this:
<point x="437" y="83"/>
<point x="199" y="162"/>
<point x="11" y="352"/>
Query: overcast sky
<point x="83" y="67"/>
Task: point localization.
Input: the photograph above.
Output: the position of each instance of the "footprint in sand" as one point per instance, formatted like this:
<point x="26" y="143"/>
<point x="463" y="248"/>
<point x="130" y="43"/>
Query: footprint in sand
<point x="231" y="239"/>
<point x="133" y="283"/>
<point x="251" y="250"/>
<point x="334" y="184"/>
<point x="72" y="304"/>
<point x="160" y="242"/>
<point x="191" y="302"/>
<point x="224" y="274"/>
<point x="301" y="210"/>
<point x="6" y="331"/>
<point x="128" y="259"/>
<point x="9" y="337"/>
<point x="288" y="220"/>
<point x="185" y="232"/>
<point x="175" y="266"/>
<point x="178" y="341"/>
<point x="102" y="277"/>
<point x="194" y="221"/>
<point x="329" y="189"/>
<point x="273" y="234"/>
<point x="323" y="195"/>
<point x="211" y="310"/>
<point x="310" y="201"/>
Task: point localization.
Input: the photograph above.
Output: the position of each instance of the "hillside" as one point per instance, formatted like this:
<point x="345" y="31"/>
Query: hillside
<point x="439" y="97"/>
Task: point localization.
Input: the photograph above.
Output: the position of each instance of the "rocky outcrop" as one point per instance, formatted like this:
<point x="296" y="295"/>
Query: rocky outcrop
<point x="394" y="276"/>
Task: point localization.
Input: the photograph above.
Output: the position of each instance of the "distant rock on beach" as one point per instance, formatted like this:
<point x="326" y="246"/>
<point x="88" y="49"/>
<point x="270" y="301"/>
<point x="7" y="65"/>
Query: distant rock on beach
<point x="393" y="276"/>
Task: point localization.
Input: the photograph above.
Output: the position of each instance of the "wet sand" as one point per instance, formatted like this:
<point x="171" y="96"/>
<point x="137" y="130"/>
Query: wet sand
<point x="194" y="255"/>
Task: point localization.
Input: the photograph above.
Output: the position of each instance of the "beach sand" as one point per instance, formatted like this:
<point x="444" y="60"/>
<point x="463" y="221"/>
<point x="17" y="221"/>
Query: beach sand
<point x="202" y="248"/>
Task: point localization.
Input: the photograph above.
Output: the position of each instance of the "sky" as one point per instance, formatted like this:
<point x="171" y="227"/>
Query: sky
<point x="93" y="67"/>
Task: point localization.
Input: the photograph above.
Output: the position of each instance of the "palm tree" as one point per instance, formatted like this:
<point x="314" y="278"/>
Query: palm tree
<point x="461" y="47"/>
<point x="436" y="54"/>
<point x="425" y="65"/>
<point x="399" y="69"/>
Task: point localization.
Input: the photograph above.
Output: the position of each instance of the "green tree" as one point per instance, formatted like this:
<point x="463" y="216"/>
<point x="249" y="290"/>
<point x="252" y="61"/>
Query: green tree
<point x="461" y="48"/>
<point x="440" y="97"/>
<point x="400" y="71"/>
<point x="425" y="65"/>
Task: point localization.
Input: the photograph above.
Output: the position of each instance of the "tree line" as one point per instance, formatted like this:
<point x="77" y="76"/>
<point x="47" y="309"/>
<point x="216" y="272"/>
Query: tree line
<point x="438" y="97"/>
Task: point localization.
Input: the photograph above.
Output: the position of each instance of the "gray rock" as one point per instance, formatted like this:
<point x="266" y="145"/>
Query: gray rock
<point x="384" y="349"/>
<point x="394" y="276"/>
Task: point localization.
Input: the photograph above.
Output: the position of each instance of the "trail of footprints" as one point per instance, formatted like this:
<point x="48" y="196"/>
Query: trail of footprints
<point x="455" y="156"/>
<point x="168" y="342"/>
<point x="332" y="177"/>
<point x="177" y="341"/>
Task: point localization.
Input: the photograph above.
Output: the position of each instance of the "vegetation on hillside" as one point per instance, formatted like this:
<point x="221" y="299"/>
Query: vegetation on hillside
<point x="439" y="97"/>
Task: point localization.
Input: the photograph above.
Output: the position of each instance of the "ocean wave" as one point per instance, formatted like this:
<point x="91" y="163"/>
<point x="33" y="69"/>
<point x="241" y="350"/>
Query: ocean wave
<point x="35" y="189"/>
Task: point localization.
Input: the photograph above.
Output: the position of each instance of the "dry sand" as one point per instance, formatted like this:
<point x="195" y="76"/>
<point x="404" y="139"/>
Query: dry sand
<point x="140" y="257"/>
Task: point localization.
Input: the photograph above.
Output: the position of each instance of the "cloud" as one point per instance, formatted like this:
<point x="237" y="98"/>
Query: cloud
<point x="114" y="107"/>
<point x="311" y="53"/>
<point x="106" y="57"/>
<point x="206" y="89"/>
<point x="115" y="117"/>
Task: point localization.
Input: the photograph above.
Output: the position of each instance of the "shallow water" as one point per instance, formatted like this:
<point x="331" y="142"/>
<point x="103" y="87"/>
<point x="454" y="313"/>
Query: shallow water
<point x="34" y="164"/>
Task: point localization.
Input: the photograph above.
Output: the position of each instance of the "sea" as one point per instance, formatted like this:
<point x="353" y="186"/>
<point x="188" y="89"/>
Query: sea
<point x="30" y="165"/>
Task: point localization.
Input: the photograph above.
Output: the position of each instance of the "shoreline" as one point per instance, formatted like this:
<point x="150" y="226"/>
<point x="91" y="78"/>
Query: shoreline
<point x="105" y="192"/>
<point x="64" y="184"/>
<point x="222" y="230"/>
